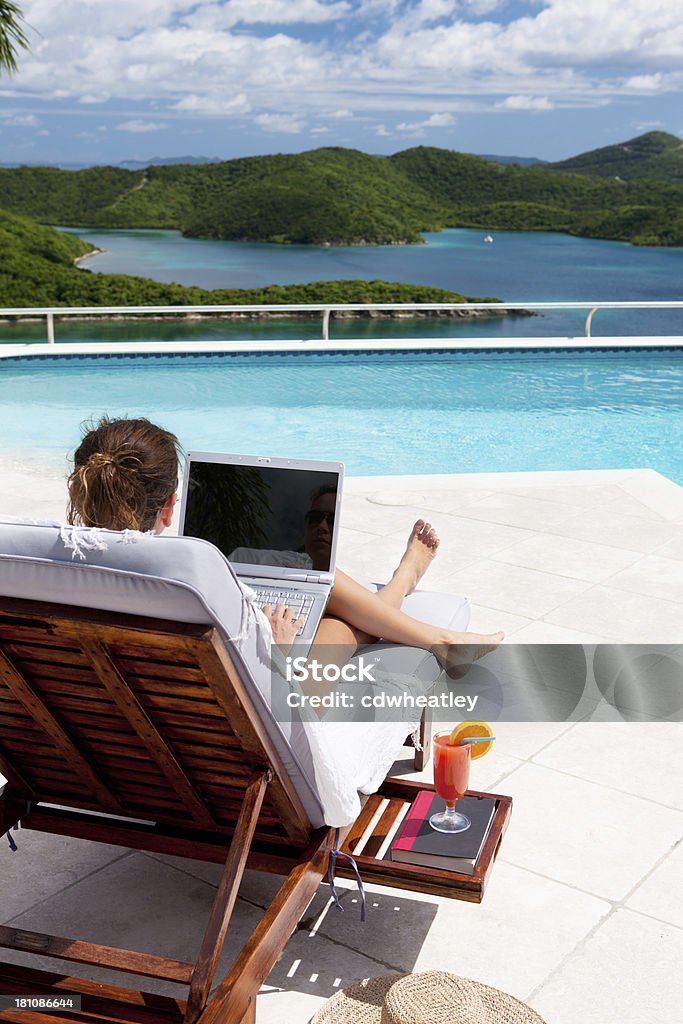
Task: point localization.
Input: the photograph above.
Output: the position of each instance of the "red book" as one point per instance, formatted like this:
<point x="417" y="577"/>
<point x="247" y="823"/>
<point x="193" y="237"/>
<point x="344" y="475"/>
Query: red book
<point x="416" y="842"/>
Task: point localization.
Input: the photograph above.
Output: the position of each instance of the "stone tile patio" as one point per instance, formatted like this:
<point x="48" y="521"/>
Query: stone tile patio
<point x="583" y="916"/>
<point x="592" y="556"/>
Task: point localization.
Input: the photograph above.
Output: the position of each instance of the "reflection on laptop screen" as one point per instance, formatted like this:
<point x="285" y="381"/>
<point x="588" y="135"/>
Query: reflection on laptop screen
<point x="263" y="515"/>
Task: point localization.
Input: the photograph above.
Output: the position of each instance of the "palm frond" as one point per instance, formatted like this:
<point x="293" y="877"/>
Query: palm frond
<point x="12" y="35"/>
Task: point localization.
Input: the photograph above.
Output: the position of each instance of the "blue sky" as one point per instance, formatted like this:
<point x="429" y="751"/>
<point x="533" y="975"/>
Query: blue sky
<point x="134" y="79"/>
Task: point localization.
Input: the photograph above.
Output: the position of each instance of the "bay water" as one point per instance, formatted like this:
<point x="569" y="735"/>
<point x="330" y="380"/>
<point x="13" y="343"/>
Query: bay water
<point x="518" y="266"/>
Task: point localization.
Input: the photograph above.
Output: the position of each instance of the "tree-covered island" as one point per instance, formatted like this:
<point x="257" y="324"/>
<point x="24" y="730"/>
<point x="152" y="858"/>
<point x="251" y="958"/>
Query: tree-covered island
<point x="338" y="196"/>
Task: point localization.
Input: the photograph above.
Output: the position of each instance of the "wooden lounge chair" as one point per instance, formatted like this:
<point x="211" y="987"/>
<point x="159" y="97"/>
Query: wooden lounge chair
<point x="141" y="732"/>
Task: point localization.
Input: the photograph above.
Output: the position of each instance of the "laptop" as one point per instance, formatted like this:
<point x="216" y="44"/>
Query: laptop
<point x="275" y="520"/>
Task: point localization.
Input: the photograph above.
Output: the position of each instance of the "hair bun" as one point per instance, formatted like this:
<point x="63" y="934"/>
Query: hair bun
<point x="123" y="458"/>
<point x="98" y="460"/>
<point x="124" y="473"/>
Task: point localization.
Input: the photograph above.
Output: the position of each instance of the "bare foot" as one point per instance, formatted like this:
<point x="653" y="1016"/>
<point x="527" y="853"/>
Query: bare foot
<point x="419" y="554"/>
<point x="458" y="657"/>
<point x="283" y="625"/>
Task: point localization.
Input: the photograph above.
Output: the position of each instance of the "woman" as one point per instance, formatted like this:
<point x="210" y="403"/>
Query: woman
<point x="125" y="477"/>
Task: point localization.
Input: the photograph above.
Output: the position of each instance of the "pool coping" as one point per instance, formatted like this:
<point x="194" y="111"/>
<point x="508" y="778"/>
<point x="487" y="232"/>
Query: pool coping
<point x="658" y="493"/>
<point x="41" y="350"/>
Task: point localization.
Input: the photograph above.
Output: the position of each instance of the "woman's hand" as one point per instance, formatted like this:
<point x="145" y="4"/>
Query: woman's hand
<point x="283" y="625"/>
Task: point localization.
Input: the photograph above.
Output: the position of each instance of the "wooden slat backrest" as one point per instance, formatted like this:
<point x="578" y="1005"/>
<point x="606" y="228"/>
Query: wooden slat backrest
<point x="138" y="717"/>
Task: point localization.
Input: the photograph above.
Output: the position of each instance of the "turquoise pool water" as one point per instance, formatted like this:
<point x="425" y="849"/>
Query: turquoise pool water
<point x="456" y="412"/>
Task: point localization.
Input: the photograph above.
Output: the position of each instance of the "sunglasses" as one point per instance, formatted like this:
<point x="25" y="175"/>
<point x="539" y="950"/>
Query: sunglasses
<point x="316" y="516"/>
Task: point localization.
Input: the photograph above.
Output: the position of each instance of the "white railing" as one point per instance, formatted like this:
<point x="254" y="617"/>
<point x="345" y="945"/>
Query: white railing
<point x="325" y="309"/>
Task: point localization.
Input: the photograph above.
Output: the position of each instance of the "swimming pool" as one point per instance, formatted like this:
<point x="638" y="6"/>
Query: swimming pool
<point x="380" y="413"/>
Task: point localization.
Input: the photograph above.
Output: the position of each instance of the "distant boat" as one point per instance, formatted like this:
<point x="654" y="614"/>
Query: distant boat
<point x="488" y="239"/>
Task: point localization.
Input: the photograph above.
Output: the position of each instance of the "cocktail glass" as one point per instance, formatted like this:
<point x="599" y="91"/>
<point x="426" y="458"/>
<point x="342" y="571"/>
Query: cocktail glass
<point x="451" y="779"/>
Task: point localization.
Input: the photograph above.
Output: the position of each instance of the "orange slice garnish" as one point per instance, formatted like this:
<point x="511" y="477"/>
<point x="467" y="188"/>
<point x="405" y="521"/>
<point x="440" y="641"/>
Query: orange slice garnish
<point x="471" y="731"/>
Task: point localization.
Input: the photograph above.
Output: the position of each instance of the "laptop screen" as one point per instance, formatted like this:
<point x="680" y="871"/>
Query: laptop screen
<point x="267" y="515"/>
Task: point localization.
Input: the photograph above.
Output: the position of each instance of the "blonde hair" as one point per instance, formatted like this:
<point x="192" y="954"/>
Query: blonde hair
<point x="124" y="472"/>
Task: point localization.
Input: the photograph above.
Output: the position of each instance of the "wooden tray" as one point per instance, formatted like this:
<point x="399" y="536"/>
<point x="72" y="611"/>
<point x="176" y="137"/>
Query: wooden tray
<point x="393" y="795"/>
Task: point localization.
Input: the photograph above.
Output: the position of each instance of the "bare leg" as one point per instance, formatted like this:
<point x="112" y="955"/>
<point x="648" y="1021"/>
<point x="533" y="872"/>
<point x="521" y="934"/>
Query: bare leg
<point x="358" y="616"/>
<point x="423" y="543"/>
<point x="335" y="631"/>
<point x="419" y="554"/>
<point x="365" y="611"/>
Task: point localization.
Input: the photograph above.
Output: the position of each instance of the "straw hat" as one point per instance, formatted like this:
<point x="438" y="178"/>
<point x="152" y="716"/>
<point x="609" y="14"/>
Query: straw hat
<point x="434" y="997"/>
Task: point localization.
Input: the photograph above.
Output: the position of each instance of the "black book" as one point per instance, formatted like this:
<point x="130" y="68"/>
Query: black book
<point x="416" y="842"/>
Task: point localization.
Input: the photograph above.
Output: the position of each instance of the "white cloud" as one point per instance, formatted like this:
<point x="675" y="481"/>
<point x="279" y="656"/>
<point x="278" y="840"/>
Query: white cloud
<point x="140" y="127"/>
<point x="648" y="126"/>
<point x="321" y="130"/>
<point x="205" y="58"/>
<point x="428" y="11"/>
<point x="566" y="36"/>
<point x="265" y="12"/>
<point x="526" y="103"/>
<point x="374" y="8"/>
<point x="484" y="6"/>
<point x="83" y="19"/>
<point x="148" y="55"/>
<point x="21" y="121"/>
<point x="439" y="121"/>
<point x="433" y="121"/>
<point x="382" y="131"/>
<point x="275" y="12"/>
<point x="287" y="123"/>
<point x="645" y="83"/>
<point x="238" y="104"/>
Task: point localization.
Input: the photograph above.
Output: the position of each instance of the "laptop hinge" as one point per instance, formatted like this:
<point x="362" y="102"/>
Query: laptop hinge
<point x="291" y="577"/>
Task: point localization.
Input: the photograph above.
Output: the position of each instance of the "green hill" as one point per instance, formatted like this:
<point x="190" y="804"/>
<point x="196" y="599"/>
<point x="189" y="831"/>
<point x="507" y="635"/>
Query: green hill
<point x="653" y="155"/>
<point x="339" y="196"/>
<point x="67" y="197"/>
<point x="333" y="196"/>
<point x="37" y="269"/>
<point x="510" y="197"/>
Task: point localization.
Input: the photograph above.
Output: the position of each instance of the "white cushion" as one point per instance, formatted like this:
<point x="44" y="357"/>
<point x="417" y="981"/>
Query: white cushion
<point x="184" y="579"/>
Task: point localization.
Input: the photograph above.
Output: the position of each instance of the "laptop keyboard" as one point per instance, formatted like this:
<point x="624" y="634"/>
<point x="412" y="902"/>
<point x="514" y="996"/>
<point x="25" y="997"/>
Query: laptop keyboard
<point x="299" y="602"/>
